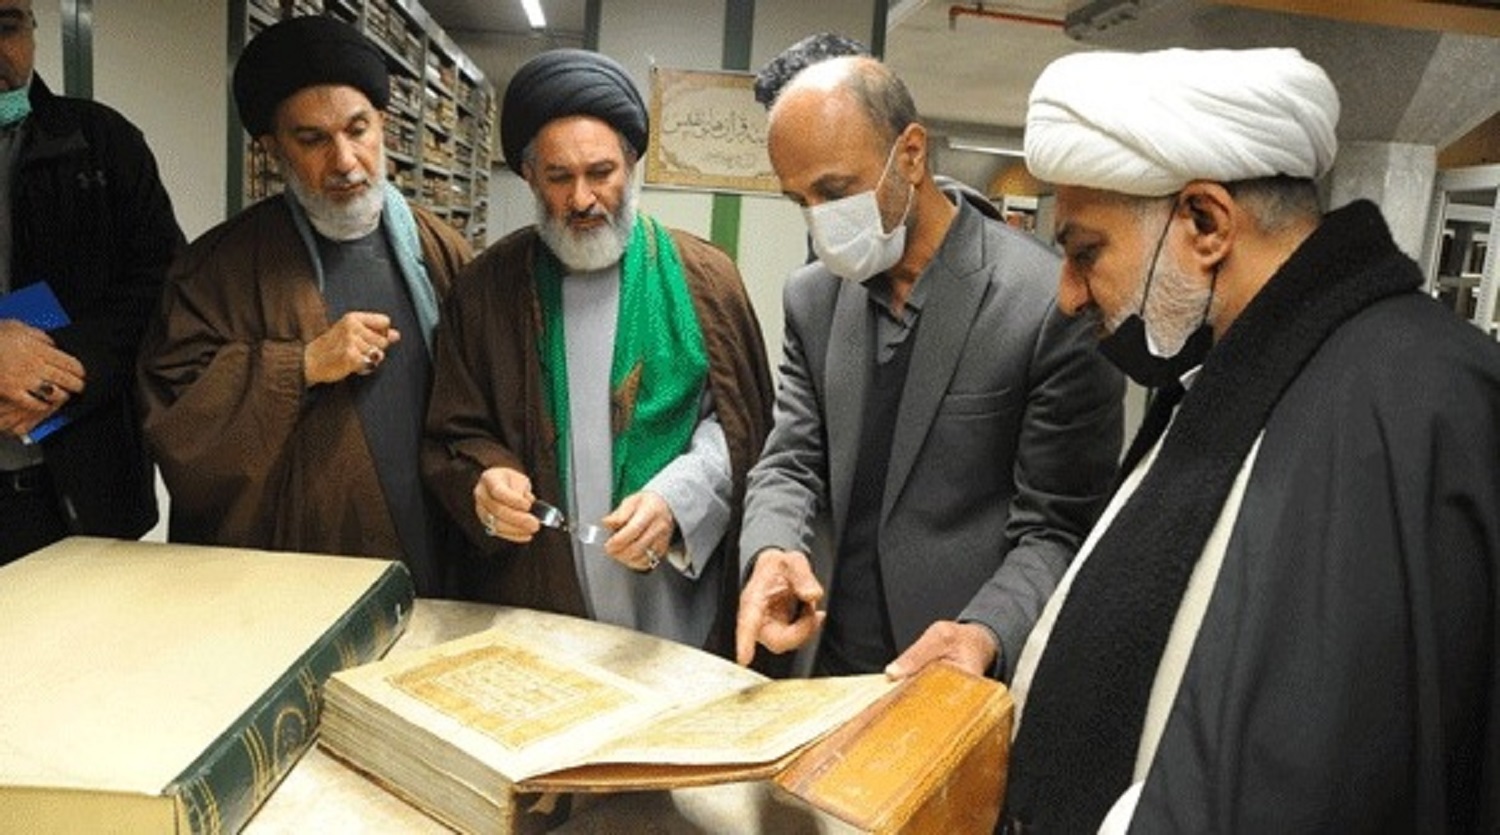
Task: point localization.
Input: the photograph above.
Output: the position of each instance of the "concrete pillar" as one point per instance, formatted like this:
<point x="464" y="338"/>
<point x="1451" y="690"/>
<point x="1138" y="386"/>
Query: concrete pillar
<point x="1396" y="176"/>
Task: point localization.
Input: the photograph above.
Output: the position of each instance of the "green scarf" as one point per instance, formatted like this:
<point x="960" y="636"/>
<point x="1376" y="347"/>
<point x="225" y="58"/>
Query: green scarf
<point x="659" y="365"/>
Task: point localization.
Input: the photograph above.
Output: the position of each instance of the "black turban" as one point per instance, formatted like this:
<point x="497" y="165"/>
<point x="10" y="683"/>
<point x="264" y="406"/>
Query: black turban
<point x="569" y="82"/>
<point x="304" y="52"/>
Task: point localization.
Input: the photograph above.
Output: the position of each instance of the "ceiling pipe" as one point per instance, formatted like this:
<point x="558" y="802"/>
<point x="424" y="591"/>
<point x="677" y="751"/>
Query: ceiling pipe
<point x="978" y="10"/>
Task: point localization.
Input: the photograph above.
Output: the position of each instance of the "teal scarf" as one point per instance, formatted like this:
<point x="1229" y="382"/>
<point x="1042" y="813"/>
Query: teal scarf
<point x="659" y="366"/>
<point x="400" y="227"/>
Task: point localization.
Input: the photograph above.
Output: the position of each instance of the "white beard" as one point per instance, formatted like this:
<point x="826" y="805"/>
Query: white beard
<point x="588" y="250"/>
<point x="340" y="220"/>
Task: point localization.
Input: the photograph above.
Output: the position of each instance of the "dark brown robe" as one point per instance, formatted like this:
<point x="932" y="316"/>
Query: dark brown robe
<point x="251" y="455"/>
<point x="488" y="409"/>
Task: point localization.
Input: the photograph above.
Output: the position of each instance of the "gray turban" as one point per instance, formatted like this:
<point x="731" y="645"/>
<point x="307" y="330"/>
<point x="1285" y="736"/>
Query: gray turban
<point x="1147" y="124"/>
<point x="304" y="52"/>
<point x="569" y="82"/>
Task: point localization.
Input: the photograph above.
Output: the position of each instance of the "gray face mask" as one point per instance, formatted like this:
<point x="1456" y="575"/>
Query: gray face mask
<point x="848" y="234"/>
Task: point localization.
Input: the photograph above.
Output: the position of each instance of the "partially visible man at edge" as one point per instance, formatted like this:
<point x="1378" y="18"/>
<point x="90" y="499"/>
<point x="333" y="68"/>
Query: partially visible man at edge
<point x="285" y="379"/>
<point x="82" y="208"/>
<point x="602" y="363"/>
<point x="1286" y="620"/>
<point x="959" y="433"/>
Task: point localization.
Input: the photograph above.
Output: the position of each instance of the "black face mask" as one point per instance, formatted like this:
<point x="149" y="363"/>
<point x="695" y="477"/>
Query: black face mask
<point x="1127" y="349"/>
<point x="1130" y="351"/>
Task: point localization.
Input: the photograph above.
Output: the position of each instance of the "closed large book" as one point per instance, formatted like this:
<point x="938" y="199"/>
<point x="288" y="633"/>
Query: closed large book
<point x="156" y="688"/>
<point x="930" y="756"/>
<point x="491" y="733"/>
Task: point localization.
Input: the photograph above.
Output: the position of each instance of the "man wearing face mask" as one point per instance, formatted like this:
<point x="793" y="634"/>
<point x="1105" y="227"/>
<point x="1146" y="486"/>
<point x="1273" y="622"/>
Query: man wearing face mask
<point x="286" y="377"/>
<point x="602" y="363"/>
<point x="1285" y="621"/>
<point x="957" y="431"/>
<point x="82" y="208"/>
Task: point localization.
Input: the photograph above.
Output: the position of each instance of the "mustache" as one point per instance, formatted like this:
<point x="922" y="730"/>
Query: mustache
<point x="353" y="178"/>
<point x="591" y="213"/>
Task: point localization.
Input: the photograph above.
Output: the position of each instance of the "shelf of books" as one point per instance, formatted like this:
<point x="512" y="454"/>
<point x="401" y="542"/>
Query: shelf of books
<point x="440" y="122"/>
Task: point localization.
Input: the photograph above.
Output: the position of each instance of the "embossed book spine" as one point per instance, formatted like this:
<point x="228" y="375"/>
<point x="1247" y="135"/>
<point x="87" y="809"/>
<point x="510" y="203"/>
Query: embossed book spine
<point x="221" y="790"/>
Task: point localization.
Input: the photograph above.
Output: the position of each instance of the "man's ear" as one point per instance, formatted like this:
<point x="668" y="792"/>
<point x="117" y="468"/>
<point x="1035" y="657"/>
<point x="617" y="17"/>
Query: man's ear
<point x="1210" y="209"/>
<point x="913" y="151"/>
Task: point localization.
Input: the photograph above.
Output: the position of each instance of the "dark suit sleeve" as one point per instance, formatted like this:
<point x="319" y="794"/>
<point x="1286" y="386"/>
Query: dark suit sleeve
<point x="1070" y="438"/>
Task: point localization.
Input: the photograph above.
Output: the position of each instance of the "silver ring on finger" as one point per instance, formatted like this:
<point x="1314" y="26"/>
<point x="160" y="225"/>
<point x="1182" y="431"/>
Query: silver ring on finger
<point x="653" y="559"/>
<point x="489" y="524"/>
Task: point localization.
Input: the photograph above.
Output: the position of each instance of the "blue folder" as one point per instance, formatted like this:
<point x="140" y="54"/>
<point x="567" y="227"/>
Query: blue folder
<point x="37" y="306"/>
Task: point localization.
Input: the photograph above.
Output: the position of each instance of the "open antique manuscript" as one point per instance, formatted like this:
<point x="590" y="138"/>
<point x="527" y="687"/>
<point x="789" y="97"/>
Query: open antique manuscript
<point x="482" y="732"/>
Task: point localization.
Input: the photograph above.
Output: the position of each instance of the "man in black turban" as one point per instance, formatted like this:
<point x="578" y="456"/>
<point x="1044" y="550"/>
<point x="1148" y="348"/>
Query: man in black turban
<point x="603" y="363"/>
<point x="304" y="52"/>
<point x="285" y="381"/>
<point x="570" y="82"/>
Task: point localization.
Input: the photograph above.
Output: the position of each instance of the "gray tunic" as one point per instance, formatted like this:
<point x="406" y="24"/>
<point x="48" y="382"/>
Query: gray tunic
<point x="696" y="485"/>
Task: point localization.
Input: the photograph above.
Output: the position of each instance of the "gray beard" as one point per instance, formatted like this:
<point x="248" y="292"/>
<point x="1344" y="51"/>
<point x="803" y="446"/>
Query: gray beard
<point x="1177" y="310"/>
<point x="339" y="221"/>
<point x="593" y="249"/>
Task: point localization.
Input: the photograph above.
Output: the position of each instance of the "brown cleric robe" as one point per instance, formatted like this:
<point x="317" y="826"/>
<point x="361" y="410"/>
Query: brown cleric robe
<point x="488" y="409"/>
<point x="252" y="456"/>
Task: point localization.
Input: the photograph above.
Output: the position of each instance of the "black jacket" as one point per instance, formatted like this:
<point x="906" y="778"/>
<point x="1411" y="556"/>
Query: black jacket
<point x="92" y="219"/>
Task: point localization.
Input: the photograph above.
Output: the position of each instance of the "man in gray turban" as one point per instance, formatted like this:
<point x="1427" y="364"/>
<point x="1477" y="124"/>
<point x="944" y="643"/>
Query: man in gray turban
<point x="603" y="364"/>
<point x="285" y="381"/>
<point x="1286" y="619"/>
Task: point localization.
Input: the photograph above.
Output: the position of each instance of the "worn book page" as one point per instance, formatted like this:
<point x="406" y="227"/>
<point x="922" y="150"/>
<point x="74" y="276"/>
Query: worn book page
<point x="513" y="695"/>
<point x="759" y="724"/>
<point x="538" y="693"/>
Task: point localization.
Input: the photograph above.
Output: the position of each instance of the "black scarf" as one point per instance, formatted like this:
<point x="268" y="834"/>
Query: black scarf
<point x="1076" y="747"/>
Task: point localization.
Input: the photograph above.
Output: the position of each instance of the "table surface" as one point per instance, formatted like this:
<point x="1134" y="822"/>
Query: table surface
<point x="321" y="794"/>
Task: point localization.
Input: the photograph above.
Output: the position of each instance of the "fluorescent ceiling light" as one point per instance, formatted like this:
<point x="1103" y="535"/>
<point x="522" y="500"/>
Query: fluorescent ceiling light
<point x="534" y="14"/>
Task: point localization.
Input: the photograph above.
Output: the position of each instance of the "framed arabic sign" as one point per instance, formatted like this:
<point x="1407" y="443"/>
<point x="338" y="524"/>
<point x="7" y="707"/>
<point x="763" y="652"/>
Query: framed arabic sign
<point x="708" y="131"/>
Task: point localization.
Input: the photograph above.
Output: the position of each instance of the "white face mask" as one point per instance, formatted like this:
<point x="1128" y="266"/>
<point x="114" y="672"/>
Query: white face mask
<point x="848" y="234"/>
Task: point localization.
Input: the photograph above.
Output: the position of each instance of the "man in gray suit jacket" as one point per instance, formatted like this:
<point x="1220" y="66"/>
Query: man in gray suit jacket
<point x="958" y="432"/>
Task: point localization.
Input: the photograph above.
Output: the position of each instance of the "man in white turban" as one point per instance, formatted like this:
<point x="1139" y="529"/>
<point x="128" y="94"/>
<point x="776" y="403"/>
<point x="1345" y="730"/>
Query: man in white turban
<point x="1286" y="620"/>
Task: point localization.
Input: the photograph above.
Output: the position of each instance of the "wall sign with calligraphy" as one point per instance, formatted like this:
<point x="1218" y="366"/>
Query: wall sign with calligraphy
<point x="708" y="131"/>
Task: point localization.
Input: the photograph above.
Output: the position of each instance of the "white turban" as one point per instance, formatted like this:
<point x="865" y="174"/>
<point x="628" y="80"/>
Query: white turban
<point x="1146" y="124"/>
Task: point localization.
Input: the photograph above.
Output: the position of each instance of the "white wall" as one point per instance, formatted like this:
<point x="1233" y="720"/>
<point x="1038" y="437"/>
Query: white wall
<point x="49" y="52"/>
<point x="163" y="63"/>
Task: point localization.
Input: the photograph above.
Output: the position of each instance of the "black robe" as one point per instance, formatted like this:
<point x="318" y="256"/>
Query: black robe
<point x="1344" y="677"/>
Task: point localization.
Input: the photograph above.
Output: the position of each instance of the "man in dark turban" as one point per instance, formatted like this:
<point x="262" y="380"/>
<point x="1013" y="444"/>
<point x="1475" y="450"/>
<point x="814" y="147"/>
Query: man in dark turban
<point x="286" y="377"/>
<point x="602" y="363"/>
